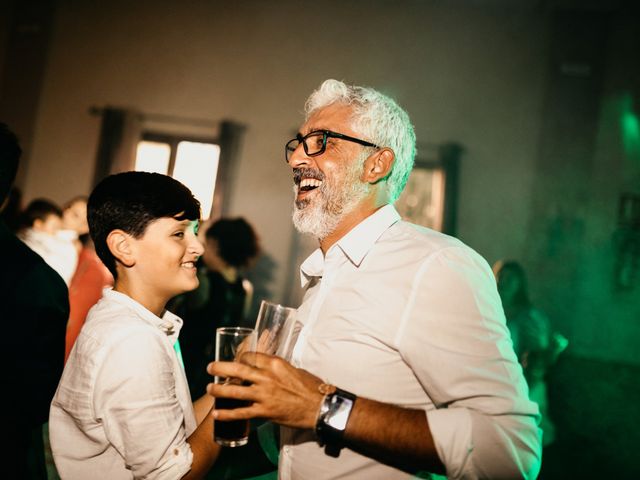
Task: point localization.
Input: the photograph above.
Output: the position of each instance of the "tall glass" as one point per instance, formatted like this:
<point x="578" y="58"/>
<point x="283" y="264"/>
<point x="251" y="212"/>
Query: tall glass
<point x="231" y="342"/>
<point x="274" y="328"/>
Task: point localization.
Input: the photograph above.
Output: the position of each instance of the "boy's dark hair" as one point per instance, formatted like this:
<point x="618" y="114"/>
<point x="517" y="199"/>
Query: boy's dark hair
<point x="38" y="209"/>
<point x="10" y="152"/>
<point x="130" y="201"/>
<point x="236" y="239"/>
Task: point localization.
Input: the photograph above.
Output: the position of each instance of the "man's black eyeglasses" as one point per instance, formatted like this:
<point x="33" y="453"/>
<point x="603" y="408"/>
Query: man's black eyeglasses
<point x="315" y="143"/>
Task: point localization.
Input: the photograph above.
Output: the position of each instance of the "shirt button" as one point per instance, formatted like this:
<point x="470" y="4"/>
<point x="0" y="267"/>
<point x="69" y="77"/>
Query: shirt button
<point x="176" y="452"/>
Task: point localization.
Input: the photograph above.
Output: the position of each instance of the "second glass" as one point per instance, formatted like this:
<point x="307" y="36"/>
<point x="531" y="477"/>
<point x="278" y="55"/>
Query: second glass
<point x="274" y="329"/>
<point x="231" y="343"/>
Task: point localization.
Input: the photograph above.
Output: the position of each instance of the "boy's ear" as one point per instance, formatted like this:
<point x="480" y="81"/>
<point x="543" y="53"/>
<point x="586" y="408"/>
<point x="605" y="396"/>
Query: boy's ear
<point x="378" y="166"/>
<point x="120" y="246"/>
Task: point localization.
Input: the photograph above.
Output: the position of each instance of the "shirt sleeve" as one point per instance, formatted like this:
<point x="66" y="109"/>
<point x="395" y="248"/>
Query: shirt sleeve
<point x="455" y="339"/>
<point x="135" y="399"/>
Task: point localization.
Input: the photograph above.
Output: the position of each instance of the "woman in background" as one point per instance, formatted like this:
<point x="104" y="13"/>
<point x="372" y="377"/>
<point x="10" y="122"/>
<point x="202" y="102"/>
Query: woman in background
<point x="536" y="347"/>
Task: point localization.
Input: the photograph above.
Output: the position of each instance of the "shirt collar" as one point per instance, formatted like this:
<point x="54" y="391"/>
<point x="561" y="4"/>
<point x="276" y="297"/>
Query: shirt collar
<point x="355" y="244"/>
<point x="169" y="324"/>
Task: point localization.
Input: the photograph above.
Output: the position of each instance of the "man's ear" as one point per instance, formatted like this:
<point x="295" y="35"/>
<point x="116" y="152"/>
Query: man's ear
<point x="378" y="166"/>
<point x="120" y="246"/>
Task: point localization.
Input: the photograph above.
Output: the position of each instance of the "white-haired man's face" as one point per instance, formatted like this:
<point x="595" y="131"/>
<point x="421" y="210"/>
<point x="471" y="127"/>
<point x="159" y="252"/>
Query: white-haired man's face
<point x="329" y="186"/>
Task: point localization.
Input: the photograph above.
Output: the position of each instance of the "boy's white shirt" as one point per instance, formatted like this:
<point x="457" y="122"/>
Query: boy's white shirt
<point x="123" y="408"/>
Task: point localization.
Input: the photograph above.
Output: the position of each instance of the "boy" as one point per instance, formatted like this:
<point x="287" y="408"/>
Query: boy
<point x="122" y="409"/>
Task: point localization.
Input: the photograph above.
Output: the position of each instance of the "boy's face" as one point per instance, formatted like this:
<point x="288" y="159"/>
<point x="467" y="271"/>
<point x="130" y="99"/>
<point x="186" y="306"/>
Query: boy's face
<point x="165" y="257"/>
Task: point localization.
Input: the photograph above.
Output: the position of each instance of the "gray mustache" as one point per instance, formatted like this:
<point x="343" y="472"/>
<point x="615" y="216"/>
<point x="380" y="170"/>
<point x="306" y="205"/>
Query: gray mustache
<point x="300" y="173"/>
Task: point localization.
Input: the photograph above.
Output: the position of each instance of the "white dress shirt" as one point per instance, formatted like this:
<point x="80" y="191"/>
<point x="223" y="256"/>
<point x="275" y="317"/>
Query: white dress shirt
<point x="408" y="316"/>
<point x="122" y="409"/>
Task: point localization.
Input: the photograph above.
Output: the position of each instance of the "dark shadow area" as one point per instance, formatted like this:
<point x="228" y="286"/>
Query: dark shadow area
<point x="261" y="275"/>
<point x="596" y="408"/>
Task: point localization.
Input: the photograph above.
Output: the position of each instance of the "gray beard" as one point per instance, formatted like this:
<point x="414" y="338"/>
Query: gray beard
<point x="321" y="215"/>
<point x="312" y="219"/>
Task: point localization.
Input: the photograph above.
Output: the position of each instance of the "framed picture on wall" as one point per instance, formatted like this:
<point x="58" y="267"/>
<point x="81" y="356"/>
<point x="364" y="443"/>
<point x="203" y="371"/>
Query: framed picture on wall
<point x="430" y="196"/>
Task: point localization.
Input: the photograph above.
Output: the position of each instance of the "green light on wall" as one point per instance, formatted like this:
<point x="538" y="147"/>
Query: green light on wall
<point x="630" y="129"/>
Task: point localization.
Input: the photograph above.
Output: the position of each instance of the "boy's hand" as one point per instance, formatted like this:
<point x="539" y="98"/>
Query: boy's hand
<point x="278" y="391"/>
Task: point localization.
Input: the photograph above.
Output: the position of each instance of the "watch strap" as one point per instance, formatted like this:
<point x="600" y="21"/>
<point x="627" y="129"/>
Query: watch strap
<point x="332" y="419"/>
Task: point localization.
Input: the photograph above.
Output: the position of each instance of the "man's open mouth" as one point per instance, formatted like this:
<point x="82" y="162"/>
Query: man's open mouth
<point x="308" y="184"/>
<point x="307" y="179"/>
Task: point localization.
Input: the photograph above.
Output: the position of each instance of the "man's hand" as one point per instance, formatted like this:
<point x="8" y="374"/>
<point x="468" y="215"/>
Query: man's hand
<point x="278" y="391"/>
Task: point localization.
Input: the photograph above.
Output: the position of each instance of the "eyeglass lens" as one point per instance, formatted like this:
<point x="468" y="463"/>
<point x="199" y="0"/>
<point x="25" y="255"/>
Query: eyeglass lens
<point x="314" y="143"/>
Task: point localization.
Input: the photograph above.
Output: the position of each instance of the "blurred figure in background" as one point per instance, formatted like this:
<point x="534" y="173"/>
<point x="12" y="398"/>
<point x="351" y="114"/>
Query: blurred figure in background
<point x="35" y="308"/>
<point x="74" y="221"/>
<point x="536" y="345"/>
<point x="40" y="229"/>
<point x="223" y="298"/>
<point x="90" y="277"/>
<point x="86" y="288"/>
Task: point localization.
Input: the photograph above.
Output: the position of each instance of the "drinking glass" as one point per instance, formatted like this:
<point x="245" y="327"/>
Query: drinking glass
<point x="274" y="329"/>
<point x="231" y="343"/>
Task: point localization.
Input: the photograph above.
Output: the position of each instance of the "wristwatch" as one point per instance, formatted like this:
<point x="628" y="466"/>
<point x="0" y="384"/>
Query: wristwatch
<point x="333" y="417"/>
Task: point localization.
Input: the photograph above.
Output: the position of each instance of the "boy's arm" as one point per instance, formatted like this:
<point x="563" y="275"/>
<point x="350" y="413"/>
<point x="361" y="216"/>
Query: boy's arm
<point x="205" y="450"/>
<point x="202" y="407"/>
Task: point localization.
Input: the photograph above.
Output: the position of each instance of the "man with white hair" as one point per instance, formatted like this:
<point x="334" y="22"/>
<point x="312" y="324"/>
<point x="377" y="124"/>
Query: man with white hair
<point x="403" y="362"/>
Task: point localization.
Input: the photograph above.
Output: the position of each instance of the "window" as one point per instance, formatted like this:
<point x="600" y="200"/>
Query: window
<point x="153" y="157"/>
<point x="193" y="162"/>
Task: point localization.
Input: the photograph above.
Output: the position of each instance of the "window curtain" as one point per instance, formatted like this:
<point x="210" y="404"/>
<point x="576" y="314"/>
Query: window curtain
<point x="230" y="141"/>
<point x="120" y="133"/>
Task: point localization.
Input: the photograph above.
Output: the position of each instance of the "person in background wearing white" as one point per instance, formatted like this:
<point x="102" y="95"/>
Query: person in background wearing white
<point x="40" y="229"/>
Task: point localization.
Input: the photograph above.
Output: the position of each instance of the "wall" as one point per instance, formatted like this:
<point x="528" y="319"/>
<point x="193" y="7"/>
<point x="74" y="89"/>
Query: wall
<point x="581" y="170"/>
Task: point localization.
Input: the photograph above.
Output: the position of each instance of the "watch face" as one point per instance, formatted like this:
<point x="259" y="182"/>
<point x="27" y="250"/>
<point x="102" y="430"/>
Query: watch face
<point x="339" y="413"/>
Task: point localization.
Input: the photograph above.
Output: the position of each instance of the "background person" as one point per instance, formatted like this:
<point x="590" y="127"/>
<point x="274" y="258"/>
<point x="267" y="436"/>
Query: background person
<point x="41" y="228"/>
<point x="534" y="342"/>
<point x="88" y="282"/>
<point x="222" y="299"/>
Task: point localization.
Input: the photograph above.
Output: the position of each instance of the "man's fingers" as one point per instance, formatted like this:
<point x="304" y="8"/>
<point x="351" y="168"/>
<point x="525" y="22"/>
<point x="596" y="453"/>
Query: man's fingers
<point x="264" y="342"/>
<point x="239" y="392"/>
<point x="260" y="360"/>
<point x="239" y="370"/>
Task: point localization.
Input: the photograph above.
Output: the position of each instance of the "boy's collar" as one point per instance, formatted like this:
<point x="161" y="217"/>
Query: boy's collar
<point x="170" y="324"/>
